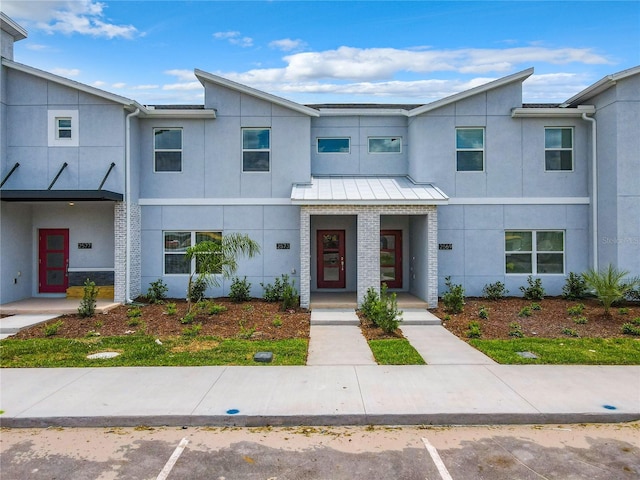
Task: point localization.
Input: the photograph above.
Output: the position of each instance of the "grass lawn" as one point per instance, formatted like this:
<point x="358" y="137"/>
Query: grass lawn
<point x="572" y="351"/>
<point x="138" y="350"/>
<point x="395" y="351"/>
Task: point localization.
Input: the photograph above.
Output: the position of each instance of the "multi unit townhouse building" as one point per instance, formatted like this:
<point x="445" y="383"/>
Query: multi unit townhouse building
<point x="477" y="186"/>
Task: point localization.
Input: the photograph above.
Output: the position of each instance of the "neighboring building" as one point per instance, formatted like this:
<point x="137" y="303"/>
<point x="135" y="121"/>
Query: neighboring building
<point x="476" y="186"/>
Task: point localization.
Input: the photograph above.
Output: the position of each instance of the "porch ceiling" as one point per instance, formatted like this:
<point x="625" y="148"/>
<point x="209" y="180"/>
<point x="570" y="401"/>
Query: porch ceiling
<point x="59" y="195"/>
<point x="366" y="190"/>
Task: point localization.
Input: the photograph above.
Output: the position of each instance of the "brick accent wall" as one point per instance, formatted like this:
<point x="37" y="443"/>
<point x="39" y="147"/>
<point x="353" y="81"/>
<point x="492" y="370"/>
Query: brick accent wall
<point x="368" y="260"/>
<point x="120" y="254"/>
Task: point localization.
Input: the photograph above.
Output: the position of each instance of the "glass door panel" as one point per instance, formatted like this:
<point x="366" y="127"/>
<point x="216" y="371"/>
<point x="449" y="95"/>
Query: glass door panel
<point x="391" y="258"/>
<point x="53" y="260"/>
<point x="331" y="260"/>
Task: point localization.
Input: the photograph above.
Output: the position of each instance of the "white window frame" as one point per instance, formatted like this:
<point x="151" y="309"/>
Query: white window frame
<point x="332" y="138"/>
<point x="392" y="137"/>
<point x="482" y="150"/>
<point x="53" y="117"/>
<point x="181" y="149"/>
<point x="559" y="149"/>
<point x="268" y="150"/>
<point x="535" y="251"/>
<point x="166" y="252"/>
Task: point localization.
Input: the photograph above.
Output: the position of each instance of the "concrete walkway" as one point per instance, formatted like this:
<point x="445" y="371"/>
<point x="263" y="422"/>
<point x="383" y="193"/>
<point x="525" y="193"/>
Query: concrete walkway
<point x="13" y="324"/>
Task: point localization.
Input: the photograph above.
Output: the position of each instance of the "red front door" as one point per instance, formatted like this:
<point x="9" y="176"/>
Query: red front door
<point x="53" y="258"/>
<point x="391" y="258"/>
<point x="331" y="259"/>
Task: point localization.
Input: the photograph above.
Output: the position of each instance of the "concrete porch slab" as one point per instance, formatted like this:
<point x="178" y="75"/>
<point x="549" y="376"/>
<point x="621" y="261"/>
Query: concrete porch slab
<point x="334" y="316"/>
<point x="15" y="323"/>
<point x="50" y="305"/>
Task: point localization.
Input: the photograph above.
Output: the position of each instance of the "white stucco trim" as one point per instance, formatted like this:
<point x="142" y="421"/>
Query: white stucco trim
<point x="213" y="201"/>
<point x="519" y="201"/>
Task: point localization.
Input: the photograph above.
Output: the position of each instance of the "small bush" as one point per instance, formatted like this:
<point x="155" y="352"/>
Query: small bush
<point x="87" y="306"/>
<point x="474" y="330"/>
<point x="215" y="308"/>
<point x="240" y="290"/>
<point x="171" y="309"/>
<point x="494" y="291"/>
<point x="570" y="332"/>
<point x="575" y="287"/>
<point x="534" y="290"/>
<point x="623" y="311"/>
<point x="536" y="307"/>
<point x="134" y="312"/>
<point x="157" y="291"/>
<point x="580" y="320"/>
<point x="633" y="295"/>
<point x="576" y="309"/>
<point x="245" y="333"/>
<point x="453" y="299"/>
<point x="483" y="312"/>
<point x="290" y="298"/>
<point x="197" y="289"/>
<point x="277" y="321"/>
<point x="525" y="312"/>
<point x="274" y="293"/>
<point x="636" y="321"/>
<point x="133" y="321"/>
<point x="192" y="331"/>
<point x="447" y="317"/>
<point x="610" y="285"/>
<point x="369" y="302"/>
<point x="515" y="330"/>
<point x="631" y="329"/>
<point x="188" y="318"/>
<point x="50" y="329"/>
<point x="382" y="310"/>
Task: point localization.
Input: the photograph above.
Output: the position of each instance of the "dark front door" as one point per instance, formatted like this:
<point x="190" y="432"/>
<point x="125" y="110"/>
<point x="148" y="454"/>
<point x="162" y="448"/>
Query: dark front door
<point x="331" y="259"/>
<point x="53" y="258"/>
<point x="391" y="258"/>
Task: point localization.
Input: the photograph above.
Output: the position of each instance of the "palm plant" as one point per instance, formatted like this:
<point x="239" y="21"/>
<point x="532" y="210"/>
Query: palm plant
<point x="609" y="285"/>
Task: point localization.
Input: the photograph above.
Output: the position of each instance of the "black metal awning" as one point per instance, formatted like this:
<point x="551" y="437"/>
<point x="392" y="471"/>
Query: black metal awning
<point x="60" y="196"/>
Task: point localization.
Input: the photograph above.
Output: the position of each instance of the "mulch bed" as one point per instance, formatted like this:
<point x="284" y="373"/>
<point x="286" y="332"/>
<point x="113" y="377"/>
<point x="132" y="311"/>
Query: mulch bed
<point x="257" y="319"/>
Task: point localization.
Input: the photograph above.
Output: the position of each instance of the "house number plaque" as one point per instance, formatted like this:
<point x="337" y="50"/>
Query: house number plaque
<point x="85" y="246"/>
<point x="283" y="246"/>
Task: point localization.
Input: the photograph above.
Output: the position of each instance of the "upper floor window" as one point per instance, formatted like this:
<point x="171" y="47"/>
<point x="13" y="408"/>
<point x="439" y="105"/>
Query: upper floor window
<point x="334" y="145"/>
<point x="534" y="252"/>
<point x="385" y="144"/>
<point x="470" y="149"/>
<point x="175" y="248"/>
<point x="63" y="128"/>
<point x="167" y="149"/>
<point x="558" y="149"/>
<point x="256" y="149"/>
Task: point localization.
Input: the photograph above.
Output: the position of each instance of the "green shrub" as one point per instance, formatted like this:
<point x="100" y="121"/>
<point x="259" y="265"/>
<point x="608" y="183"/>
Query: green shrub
<point x="536" y="306"/>
<point x="609" y="285"/>
<point x="623" y="311"/>
<point x="515" y="330"/>
<point x="534" y="290"/>
<point x="192" y="331"/>
<point x="133" y="321"/>
<point x="197" y="289"/>
<point x="290" y="298"/>
<point x="277" y="321"/>
<point x="494" y="291"/>
<point x="245" y="332"/>
<point x="50" y="329"/>
<point x="171" y="309"/>
<point x="87" y="306"/>
<point x="453" y="299"/>
<point x="636" y="321"/>
<point x="240" y="290"/>
<point x="274" y="293"/>
<point x="157" y="291"/>
<point x="580" y="320"/>
<point x="631" y="329"/>
<point x="474" y="330"/>
<point x="189" y="317"/>
<point x="483" y="312"/>
<point x="382" y="310"/>
<point x="570" y="332"/>
<point x="134" y="312"/>
<point x="525" y="312"/>
<point x="369" y="302"/>
<point x="575" y="287"/>
<point x="215" y="308"/>
<point x="576" y="309"/>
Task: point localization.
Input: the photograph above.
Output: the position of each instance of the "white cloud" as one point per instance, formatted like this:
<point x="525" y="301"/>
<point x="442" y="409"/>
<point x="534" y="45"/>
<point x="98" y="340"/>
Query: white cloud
<point x="66" y="72"/>
<point x="36" y="47"/>
<point x="145" y="87"/>
<point x="119" y="85"/>
<point x="99" y="84"/>
<point x="182" y="75"/>
<point x="85" y="17"/>
<point x="234" y="38"/>
<point x="288" y="45"/>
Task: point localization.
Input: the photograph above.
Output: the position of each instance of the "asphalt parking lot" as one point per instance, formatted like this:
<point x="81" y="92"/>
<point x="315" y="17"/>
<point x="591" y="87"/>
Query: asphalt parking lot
<point x="567" y="452"/>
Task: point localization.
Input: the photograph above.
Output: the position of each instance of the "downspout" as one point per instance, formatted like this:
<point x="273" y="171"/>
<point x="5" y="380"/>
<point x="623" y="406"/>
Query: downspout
<point x="594" y="189"/>
<point x="127" y="195"/>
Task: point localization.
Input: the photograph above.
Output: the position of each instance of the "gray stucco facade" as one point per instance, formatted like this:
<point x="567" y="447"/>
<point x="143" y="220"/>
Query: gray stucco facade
<point x="120" y="209"/>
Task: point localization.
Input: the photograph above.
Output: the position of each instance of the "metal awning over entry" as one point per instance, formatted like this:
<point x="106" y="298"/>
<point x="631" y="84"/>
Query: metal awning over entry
<point x="59" y="195"/>
<point x="366" y="190"/>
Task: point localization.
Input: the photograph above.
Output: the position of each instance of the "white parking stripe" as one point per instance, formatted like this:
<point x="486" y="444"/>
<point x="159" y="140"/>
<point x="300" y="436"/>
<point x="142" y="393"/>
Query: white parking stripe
<point x="172" y="460"/>
<point x="435" y="456"/>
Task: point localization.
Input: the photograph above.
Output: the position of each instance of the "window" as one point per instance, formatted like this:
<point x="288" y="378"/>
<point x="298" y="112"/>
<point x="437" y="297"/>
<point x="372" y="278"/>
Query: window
<point x="334" y="145"/>
<point x="470" y="149"/>
<point x="534" y="252"/>
<point x="256" y="149"/>
<point x="62" y="128"/>
<point x="385" y="144"/>
<point x="558" y="149"/>
<point x="175" y="248"/>
<point x="167" y="149"/>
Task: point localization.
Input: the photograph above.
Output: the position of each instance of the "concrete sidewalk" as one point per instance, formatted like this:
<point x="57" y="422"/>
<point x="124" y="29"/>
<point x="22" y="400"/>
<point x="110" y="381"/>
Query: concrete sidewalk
<point x="321" y="395"/>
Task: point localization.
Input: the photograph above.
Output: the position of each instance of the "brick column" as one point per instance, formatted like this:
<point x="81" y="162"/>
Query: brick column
<point x="432" y="257"/>
<point x="368" y="251"/>
<point x="120" y="253"/>
<point x="305" y="257"/>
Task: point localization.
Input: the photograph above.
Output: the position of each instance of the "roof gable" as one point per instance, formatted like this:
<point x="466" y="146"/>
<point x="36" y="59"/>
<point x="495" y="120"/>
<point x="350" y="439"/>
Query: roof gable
<point x="205" y="77"/>
<point x="600" y="86"/>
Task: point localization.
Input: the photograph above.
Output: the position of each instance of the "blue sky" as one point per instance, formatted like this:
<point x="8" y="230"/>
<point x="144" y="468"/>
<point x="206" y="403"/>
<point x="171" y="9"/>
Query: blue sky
<point x="322" y="52"/>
